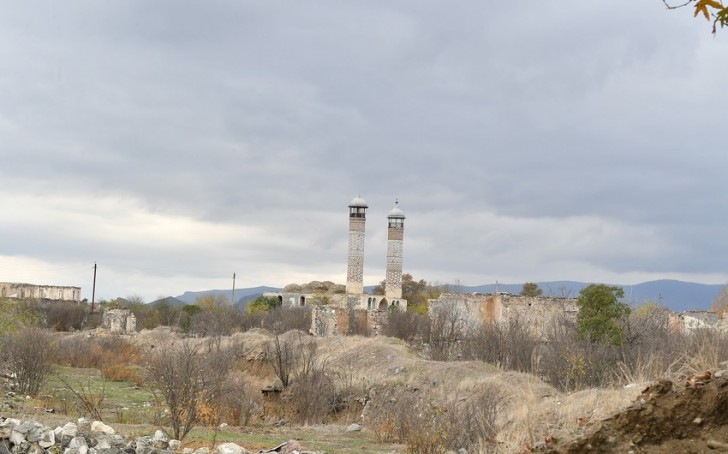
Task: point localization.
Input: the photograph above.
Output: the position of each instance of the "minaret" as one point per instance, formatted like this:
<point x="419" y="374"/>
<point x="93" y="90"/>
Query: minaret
<point x="357" y="220"/>
<point x="395" y="237"/>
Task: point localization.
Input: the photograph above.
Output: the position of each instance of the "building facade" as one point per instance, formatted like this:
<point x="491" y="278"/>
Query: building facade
<point x="48" y="292"/>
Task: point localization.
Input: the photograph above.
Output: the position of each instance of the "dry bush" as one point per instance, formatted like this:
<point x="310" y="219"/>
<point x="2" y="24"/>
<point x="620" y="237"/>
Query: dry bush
<point x="79" y="351"/>
<point x="242" y="403"/>
<point x="66" y="315"/>
<point x="701" y="350"/>
<point x="425" y="425"/>
<point x="411" y="327"/>
<point x="282" y="319"/>
<point x="212" y="323"/>
<point x="509" y="345"/>
<point x="447" y="331"/>
<point x="192" y="381"/>
<point x="88" y="400"/>
<point x="282" y="356"/>
<point x="313" y="397"/>
<point x="29" y="353"/>
<point x="571" y="364"/>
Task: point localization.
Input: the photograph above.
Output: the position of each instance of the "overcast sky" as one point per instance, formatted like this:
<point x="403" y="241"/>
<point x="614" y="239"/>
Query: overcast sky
<point x="175" y="143"/>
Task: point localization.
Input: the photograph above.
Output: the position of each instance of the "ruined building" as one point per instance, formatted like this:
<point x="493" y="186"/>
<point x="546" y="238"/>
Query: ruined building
<point x="48" y="292"/>
<point x="119" y="321"/>
<point x="536" y="313"/>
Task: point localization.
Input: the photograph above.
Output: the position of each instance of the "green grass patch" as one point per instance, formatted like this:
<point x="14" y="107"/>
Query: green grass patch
<point x="118" y="401"/>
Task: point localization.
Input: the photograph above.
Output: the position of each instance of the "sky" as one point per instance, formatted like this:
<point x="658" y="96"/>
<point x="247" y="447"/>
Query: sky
<point x="174" y="143"/>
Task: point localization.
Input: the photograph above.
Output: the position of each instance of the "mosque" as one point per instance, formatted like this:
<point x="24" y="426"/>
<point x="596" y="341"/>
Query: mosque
<point x="330" y="300"/>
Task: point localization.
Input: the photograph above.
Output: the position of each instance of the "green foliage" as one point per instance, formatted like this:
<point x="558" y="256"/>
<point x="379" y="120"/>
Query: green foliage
<point x="262" y="304"/>
<point x="599" y="309"/>
<point x="211" y="302"/>
<point x="531" y="289"/>
<point x="15" y="315"/>
<point x="415" y="292"/>
<point x="188" y="311"/>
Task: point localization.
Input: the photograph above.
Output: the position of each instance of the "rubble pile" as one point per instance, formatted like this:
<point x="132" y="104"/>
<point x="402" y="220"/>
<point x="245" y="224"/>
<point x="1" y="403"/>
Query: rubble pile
<point x="95" y="437"/>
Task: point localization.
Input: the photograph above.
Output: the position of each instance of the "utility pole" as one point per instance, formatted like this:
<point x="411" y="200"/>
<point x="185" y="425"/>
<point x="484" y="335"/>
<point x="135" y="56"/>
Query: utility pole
<point x="93" y="292"/>
<point x="232" y="298"/>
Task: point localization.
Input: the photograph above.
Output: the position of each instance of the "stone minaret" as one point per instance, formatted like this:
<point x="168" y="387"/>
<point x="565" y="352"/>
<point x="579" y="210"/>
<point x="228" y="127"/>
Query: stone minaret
<point x="357" y="220"/>
<point x="395" y="237"/>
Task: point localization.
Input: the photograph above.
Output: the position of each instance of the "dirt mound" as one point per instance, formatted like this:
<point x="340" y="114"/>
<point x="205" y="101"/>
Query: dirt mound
<point x="691" y="417"/>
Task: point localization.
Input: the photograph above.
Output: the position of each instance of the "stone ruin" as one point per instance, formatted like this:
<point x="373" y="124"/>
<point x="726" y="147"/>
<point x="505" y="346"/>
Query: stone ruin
<point x="538" y="313"/>
<point x="119" y="321"/>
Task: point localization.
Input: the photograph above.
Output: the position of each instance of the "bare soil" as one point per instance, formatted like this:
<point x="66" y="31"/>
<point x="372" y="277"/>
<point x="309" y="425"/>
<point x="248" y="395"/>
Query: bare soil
<point x="666" y="418"/>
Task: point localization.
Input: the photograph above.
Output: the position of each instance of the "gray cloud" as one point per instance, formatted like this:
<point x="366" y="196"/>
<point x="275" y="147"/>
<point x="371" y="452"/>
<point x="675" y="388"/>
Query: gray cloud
<point x="178" y="142"/>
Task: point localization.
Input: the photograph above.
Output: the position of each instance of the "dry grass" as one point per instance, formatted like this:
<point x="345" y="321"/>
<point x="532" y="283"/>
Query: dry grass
<point x="529" y="410"/>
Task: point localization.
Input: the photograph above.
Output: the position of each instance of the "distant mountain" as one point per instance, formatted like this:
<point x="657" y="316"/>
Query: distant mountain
<point x="242" y="295"/>
<point x="678" y="296"/>
<point x="170" y="301"/>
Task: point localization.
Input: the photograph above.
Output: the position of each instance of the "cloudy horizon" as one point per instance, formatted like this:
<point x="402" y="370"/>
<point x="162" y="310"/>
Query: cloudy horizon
<point x="177" y="143"/>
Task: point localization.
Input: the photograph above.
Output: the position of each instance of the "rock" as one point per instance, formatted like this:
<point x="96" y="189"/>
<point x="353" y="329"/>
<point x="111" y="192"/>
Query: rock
<point x="188" y="451"/>
<point x="202" y="450"/>
<point x="77" y="445"/>
<point x="34" y="449"/>
<point x="66" y="433"/>
<point x="20" y="432"/>
<point x="174" y="445"/>
<point x="47" y="438"/>
<point x="142" y="445"/>
<point x="230" y="448"/>
<point x="354" y="428"/>
<point x="160" y="440"/>
<point x="100" y="427"/>
<point x="289" y="447"/>
<point x="6" y="427"/>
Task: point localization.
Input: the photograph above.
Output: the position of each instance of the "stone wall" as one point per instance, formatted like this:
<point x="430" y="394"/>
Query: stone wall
<point x="475" y="309"/>
<point x="49" y="292"/>
<point x="690" y="321"/>
<point x="119" y="321"/>
<point x="339" y="321"/>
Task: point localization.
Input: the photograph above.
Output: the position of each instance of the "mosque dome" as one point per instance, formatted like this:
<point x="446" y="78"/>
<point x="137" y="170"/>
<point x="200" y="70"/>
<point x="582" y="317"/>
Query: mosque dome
<point x="396" y="212"/>
<point x="358" y="202"/>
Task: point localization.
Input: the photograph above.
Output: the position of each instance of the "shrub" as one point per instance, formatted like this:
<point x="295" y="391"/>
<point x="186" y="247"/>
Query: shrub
<point x="29" y="353"/>
<point x="191" y="380"/>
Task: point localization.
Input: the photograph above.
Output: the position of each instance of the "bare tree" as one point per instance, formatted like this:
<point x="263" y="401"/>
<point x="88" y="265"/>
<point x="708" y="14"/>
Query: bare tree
<point x="29" y="352"/>
<point x="190" y="380"/>
<point x="447" y="329"/>
<point x="280" y="354"/>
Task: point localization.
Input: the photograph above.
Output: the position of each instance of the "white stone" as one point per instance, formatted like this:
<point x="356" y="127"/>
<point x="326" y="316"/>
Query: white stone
<point x="174" y="445"/>
<point x="77" y="446"/>
<point x="160" y="436"/>
<point x="229" y="448"/>
<point x="354" y="428"/>
<point x="47" y="439"/>
<point x="100" y="427"/>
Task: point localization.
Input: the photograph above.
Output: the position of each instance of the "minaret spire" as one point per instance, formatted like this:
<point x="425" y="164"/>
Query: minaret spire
<point x="357" y="222"/>
<point x="395" y="243"/>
